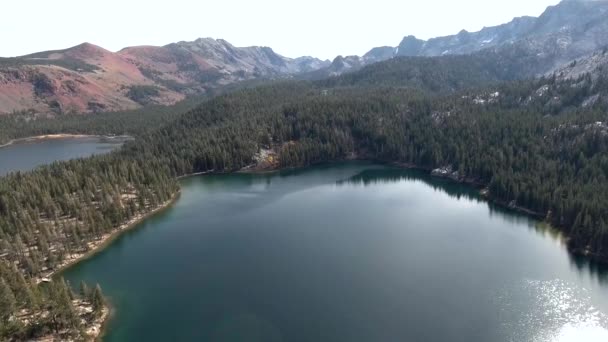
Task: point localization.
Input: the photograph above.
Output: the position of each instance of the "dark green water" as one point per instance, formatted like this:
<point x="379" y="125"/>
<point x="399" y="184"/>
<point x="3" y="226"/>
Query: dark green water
<point x="351" y="252"/>
<point x="25" y="156"/>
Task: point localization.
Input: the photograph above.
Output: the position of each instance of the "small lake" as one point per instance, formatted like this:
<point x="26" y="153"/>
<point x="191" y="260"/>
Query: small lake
<point x="27" y="155"/>
<point x="348" y="252"/>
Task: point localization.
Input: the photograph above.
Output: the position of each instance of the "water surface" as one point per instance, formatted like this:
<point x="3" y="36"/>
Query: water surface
<point x="352" y="252"/>
<point x="25" y="156"/>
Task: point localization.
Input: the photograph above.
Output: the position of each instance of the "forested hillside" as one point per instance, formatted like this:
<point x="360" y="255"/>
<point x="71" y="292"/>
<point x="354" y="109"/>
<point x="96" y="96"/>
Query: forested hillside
<point x="439" y="74"/>
<point x="55" y="214"/>
<point x="133" y="122"/>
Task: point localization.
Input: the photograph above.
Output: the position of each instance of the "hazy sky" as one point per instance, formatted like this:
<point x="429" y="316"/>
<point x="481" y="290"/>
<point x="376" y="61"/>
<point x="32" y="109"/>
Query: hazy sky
<point x="321" y="28"/>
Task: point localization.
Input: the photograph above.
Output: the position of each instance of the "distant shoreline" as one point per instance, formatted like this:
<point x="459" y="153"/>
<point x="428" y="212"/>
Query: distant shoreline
<point x="58" y="136"/>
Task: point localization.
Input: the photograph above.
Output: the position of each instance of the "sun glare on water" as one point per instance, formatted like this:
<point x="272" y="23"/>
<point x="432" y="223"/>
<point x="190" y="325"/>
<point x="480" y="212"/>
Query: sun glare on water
<point x="552" y="311"/>
<point x="582" y="332"/>
<point x="564" y="313"/>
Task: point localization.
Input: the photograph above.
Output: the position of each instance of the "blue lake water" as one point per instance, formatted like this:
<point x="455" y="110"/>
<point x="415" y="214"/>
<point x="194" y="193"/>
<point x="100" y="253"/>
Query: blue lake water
<point x="349" y="252"/>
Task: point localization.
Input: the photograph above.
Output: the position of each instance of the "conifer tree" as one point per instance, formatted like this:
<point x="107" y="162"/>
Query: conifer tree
<point x="85" y="292"/>
<point x="97" y="300"/>
<point x="8" y="303"/>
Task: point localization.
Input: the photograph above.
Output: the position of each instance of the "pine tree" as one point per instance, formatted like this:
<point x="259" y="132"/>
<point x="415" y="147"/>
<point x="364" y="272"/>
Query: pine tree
<point x="84" y="290"/>
<point x="8" y="303"/>
<point x="61" y="311"/>
<point x="97" y="300"/>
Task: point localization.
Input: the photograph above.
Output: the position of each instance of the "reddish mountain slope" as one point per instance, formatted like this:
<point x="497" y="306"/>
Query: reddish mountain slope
<point x="88" y="78"/>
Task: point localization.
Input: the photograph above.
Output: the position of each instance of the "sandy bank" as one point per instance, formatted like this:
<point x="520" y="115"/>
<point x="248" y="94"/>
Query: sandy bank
<point x="39" y="138"/>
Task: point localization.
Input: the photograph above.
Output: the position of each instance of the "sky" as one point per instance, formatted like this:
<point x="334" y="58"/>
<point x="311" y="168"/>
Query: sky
<point x="319" y="28"/>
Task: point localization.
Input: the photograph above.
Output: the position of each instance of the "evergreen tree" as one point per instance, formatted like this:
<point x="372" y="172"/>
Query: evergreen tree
<point x="8" y="304"/>
<point x="85" y="292"/>
<point x="97" y="300"/>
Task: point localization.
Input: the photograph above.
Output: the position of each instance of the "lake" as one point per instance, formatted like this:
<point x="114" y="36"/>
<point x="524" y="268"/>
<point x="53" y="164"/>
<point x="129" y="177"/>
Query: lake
<point x="348" y="252"/>
<point x="27" y="155"/>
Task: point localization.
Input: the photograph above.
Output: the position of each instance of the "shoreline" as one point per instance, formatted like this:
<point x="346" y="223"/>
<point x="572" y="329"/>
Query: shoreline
<point x="95" y="332"/>
<point x="586" y="252"/>
<point x="482" y="188"/>
<point x="196" y="174"/>
<point x="473" y="182"/>
<point x="483" y="192"/>
<point x="105" y="322"/>
<point x="106" y="240"/>
<point x="100" y="326"/>
<point x="58" y="136"/>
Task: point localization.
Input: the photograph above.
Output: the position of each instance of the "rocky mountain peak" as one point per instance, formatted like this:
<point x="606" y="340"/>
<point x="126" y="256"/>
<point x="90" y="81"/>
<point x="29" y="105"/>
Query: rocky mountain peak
<point x="410" y="46"/>
<point x="379" y="54"/>
<point x="568" y="30"/>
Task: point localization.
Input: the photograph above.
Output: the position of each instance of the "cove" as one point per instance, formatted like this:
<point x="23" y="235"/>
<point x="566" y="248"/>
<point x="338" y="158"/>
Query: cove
<point x="346" y="252"/>
<point x="27" y="155"/>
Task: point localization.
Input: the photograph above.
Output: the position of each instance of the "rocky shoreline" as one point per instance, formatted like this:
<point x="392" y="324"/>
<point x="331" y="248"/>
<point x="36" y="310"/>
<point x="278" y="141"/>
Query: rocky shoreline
<point x="93" y="330"/>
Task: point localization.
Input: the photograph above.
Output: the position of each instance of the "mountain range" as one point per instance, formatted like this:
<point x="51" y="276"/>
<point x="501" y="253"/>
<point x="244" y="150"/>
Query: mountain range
<point x="566" y="31"/>
<point x="88" y="78"/>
